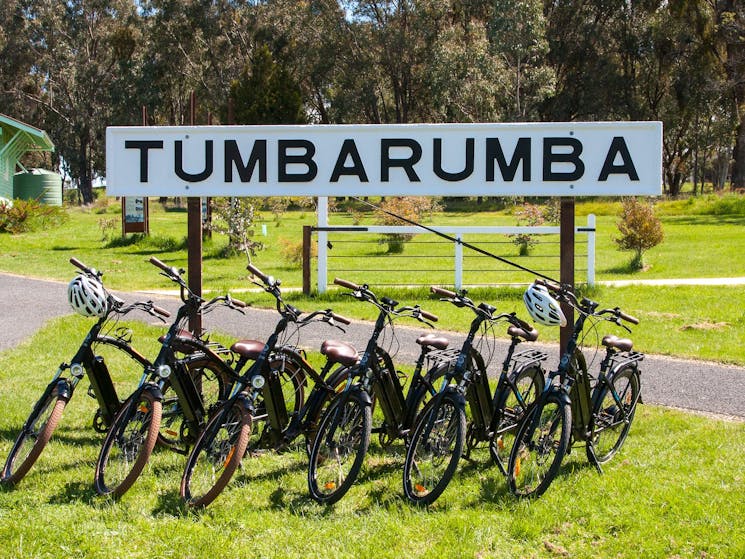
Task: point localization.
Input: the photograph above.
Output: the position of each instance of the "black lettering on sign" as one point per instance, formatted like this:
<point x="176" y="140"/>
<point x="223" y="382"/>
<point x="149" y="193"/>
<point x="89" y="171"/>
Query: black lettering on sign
<point x="452" y="177"/>
<point x="245" y="171"/>
<point x="406" y="163"/>
<point x="349" y="150"/>
<point x="618" y="147"/>
<point x="306" y="159"/>
<point x="507" y="170"/>
<point x="572" y="158"/>
<point x="143" y="146"/>
<point x="193" y="177"/>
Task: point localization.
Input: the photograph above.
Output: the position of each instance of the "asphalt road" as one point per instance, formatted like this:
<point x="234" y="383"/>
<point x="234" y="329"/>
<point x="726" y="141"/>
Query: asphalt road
<point x="26" y="304"/>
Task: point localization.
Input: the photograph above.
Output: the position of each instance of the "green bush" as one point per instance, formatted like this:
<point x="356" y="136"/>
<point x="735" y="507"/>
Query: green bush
<point x="640" y="230"/>
<point x="29" y="215"/>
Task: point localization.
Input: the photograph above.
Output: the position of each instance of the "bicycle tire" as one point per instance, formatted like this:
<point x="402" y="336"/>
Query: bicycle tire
<point x="216" y="454"/>
<point x="344" y="427"/>
<point x="529" y="382"/>
<point x="336" y="381"/>
<point x="539" y="449"/>
<point x="437" y="441"/>
<point x="610" y="425"/>
<point x="34" y="436"/>
<point x="125" y="449"/>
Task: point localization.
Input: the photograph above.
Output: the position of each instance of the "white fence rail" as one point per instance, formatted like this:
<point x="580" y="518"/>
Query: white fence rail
<point x="323" y="230"/>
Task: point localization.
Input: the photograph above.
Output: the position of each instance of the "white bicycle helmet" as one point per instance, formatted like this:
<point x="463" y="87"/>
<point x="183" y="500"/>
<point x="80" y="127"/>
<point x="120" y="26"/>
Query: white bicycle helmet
<point x="87" y="296"/>
<point x="542" y="307"/>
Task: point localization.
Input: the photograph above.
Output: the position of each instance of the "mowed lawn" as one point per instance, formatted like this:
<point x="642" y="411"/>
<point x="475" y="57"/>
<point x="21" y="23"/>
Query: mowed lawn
<point x="674" y="491"/>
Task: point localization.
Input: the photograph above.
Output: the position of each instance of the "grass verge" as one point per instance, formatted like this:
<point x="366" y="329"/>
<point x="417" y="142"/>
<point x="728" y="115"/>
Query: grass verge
<point x="674" y="490"/>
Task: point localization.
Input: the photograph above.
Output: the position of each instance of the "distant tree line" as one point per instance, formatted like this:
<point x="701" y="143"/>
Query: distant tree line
<point x="75" y="67"/>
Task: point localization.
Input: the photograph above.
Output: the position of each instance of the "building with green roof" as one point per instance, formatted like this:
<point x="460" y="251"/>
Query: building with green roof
<point x="17" y="138"/>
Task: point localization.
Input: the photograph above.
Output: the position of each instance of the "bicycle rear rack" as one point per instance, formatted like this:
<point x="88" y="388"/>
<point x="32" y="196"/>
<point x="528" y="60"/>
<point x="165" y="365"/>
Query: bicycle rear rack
<point x="528" y="357"/>
<point x="443" y="356"/>
<point x="624" y="358"/>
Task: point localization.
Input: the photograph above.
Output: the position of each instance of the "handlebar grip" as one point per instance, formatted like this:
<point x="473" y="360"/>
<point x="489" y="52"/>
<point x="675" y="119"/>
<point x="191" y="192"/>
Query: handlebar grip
<point x="347" y="284"/>
<point x="258" y="273"/>
<point x="162" y="265"/>
<point x="550" y="286"/>
<point x="162" y="312"/>
<point x="238" y="303"/>
<point x="78" y="264"/>
<point x="339" y="318"/>
<point x="522" y="324"/>
<point x="429" y="316"/>
<point x="628" y="317"/>
<point x="442" y="292"/>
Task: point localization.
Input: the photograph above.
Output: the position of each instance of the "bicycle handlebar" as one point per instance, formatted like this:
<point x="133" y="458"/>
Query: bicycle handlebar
<point x="442" y="292"/>
<point x="627" y="317"/>
<point x="88" y="270"/>
<point x="347" y="284"/>
<point x="162" y="265"/>
<point x="161" y="311"/>
<point x="258" y="273"/>
<point x="342" y="319"/>
<point x="429" y="316"/>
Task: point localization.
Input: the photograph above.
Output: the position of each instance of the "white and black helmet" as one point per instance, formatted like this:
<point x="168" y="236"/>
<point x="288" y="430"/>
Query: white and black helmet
<point x="87" y="296"/>
<point x="542" y="307"/>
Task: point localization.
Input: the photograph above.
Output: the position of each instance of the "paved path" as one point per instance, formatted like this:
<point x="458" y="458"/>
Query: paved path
<point x="26" y="304"/>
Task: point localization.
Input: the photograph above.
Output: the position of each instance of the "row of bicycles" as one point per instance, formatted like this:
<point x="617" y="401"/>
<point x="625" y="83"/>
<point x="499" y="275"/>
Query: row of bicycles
<point x="223" y="406"/>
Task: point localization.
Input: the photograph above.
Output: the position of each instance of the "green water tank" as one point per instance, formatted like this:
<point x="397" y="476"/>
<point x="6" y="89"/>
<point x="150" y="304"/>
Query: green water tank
<point x="39" y="184"/>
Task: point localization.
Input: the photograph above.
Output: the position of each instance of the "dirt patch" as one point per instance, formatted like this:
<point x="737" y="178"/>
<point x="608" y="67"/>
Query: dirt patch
<point x="668" y="315"/>
<point x="706" y="326"/>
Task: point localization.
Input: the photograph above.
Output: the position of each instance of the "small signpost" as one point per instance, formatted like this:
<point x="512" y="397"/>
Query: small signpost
<point x="135" y="215"/>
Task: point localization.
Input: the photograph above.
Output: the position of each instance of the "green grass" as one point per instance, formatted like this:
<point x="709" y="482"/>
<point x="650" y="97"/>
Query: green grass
<point x="675" y="490"/>
<point x="703" y="239"/>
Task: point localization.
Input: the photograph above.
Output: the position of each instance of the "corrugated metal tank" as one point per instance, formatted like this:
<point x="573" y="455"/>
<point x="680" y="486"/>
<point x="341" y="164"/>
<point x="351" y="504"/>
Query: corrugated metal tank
<point x="39" y="184"/>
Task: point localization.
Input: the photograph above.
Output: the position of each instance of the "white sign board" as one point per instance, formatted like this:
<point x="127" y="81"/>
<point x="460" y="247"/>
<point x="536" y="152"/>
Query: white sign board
<point x="134" y="210"/>
<point x="521" y="159"/>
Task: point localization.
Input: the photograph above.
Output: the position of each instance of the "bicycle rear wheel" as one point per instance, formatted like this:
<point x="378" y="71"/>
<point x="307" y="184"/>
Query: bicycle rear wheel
<point x="339" y="448"/>
<point x="540" y="445"/>
<point x="216" y="455"/>
<point x="435" y="448"/>
<point x="34" y="436"/>
<point x="611" y="419"/>
<point x="128" y="444"/>
<point x="510" y="410"/>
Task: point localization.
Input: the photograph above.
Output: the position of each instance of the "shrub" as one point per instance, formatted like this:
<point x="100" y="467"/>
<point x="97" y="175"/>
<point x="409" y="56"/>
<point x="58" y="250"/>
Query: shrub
<point x="413" y="208"/>
<point x="28" y="215"/>
<point x="640" y="230"/>
<point x="530" y="215"/>
<point x="235" y="217"/>
<point x="292" y="251"/>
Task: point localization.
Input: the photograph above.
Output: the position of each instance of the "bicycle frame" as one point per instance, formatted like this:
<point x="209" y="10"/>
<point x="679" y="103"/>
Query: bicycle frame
<point x="471" y="375"/>
<point x="375" y="375"/>
<point x="574" y="380"/>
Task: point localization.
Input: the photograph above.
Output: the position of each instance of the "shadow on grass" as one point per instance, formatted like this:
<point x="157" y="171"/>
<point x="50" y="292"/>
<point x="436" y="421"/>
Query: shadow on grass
<point x="171" y="503"/>
<point x="79" y="491"/>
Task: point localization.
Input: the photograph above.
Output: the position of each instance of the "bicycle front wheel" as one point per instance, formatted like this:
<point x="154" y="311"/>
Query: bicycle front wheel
<point x="510" y="411"/>
<point x="611" y="416"/>
<point x="339" y="448"/>
<point x="540" y="445"/>
<point x="34" y="436"/>
<point x="216" y="455"/>
<point x="434" y="450"/>
<point x="128" y="444"/>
